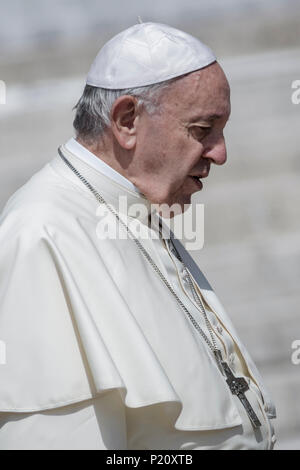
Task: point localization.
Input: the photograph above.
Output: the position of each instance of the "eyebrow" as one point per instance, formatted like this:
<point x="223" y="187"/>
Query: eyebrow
<point x="209" y="117"/>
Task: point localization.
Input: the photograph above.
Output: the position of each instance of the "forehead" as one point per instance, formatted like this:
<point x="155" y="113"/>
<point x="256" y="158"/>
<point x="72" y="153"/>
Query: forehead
<point x="202" y="94"/>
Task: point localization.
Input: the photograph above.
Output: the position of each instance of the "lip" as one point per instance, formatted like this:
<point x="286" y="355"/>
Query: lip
<point x="196" y="181"/>
<point x="199" y="175"/>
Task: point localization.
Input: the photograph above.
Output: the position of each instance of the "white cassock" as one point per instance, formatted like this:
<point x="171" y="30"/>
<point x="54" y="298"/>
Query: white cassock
<point x="99" y="355"/>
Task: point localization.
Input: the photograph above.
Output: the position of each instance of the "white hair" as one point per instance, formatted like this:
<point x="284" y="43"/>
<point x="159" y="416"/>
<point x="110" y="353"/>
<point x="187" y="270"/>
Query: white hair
<point x="94" y="107"/>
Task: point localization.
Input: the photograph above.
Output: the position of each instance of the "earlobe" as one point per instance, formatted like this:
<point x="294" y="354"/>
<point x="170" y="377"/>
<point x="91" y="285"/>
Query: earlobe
<point x="129" y="144"/>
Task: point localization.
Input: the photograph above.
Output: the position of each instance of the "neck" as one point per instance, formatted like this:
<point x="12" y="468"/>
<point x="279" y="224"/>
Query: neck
<point x="124" y="200"/>
<point x="109" y="154"/>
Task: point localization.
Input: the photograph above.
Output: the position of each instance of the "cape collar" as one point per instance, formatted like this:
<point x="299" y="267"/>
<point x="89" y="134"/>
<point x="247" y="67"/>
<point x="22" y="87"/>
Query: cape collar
<point x="124" y="200"/>
<point x="91" y="159"/>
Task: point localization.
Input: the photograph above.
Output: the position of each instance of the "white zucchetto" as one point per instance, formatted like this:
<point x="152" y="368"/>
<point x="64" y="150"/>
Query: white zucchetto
<point x="145" y="54"/>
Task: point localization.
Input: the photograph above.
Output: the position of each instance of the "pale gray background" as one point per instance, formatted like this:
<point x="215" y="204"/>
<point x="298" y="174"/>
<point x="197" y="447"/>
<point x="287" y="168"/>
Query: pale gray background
<point x="252" y="245"/>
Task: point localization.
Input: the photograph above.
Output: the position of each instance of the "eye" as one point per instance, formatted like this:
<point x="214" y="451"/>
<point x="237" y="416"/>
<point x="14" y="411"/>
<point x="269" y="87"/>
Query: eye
<point x="199" y="132"/>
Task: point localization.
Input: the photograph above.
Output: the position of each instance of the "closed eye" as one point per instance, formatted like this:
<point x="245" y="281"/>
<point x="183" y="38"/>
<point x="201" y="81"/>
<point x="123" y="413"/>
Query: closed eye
<point x="199" y="132"/>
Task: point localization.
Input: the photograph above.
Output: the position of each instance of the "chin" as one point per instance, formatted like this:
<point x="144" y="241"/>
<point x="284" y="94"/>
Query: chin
<point x="173" y="203"/>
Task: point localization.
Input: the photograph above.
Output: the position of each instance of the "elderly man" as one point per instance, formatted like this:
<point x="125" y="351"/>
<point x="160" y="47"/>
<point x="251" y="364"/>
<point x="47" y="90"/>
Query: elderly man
<point x="119" y="342"/>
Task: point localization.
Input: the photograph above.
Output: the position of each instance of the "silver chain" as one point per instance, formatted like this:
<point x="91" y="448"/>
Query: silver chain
<point x="212" y="345"/>
<point x="197" y="299"/>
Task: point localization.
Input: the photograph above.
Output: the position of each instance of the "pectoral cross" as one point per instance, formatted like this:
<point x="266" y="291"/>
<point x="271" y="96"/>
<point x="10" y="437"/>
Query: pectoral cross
<point x="238" y="387"/>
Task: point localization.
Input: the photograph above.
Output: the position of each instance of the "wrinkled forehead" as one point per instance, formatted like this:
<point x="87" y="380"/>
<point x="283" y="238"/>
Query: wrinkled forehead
<point x="205" y="92"/>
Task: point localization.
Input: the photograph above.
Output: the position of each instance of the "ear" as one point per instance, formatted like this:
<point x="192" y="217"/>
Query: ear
<point x="124" y="119"/>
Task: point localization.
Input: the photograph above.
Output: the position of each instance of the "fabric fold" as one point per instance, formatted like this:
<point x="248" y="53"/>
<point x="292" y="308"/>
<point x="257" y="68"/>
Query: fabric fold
<point x="80" y="318"/>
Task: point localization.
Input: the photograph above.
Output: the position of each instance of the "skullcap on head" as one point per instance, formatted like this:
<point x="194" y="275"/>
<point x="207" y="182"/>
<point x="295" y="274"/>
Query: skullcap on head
<point x="145" y="54"/>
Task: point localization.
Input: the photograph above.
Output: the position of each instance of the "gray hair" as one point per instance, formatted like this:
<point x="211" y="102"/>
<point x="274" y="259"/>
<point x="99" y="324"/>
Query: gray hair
<point x="93" y="108"/>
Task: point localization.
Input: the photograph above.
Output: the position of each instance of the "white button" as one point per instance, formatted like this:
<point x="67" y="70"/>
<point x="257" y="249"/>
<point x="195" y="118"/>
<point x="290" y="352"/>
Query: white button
<point x="220" y="329"/>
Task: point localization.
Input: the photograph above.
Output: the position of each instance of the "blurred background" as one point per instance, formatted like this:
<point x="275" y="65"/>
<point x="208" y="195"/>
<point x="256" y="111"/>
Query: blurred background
<point x="252" y="204"/>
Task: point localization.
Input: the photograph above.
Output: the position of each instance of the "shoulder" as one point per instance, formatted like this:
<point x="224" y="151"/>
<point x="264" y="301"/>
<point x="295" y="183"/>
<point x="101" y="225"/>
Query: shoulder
<point x="45" y="200"/>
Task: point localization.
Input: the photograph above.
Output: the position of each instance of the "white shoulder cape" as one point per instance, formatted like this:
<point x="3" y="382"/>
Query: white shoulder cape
<point x="80" y="315"/>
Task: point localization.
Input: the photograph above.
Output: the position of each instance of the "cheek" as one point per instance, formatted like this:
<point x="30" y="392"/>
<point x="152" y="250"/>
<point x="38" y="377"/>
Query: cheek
<point x="168" y="154"/>
<point x="153" y="161"/>
<point x="152" y="146"/>
<point x="188" y="156"/>
<point x="188" y="148"/>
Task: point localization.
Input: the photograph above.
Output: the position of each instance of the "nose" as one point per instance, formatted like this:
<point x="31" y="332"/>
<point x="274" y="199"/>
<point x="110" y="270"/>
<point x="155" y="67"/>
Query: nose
<point x="216" y="151"/>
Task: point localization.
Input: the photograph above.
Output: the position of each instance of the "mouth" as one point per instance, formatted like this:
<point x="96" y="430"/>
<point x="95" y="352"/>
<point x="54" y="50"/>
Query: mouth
<point x="196" y="180"/>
